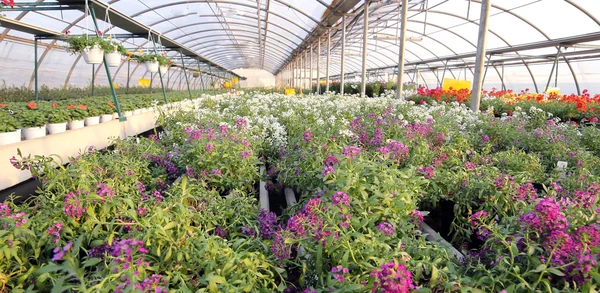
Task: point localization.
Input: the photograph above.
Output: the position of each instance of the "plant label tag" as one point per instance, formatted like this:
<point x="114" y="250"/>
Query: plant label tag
<point x="562" y="165"/>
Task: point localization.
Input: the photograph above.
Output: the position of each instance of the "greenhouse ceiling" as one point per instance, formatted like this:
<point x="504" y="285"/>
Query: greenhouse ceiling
<point x="271" y="34"/>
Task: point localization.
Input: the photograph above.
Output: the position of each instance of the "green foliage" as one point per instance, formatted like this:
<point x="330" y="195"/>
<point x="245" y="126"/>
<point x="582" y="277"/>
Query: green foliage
<point x="8" y="122"/>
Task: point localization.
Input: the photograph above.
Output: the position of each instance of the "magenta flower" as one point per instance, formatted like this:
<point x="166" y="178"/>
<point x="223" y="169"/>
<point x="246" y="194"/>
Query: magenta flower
<point x="308" y="136"/>
<point x="73" y="207"/>
<point x="217" y="172"/>
<point x="241" y="123"/>
<point x="59" y="252"/>
<point x="392" y="277"/>
<point x="327" y="170"/>
<point x="246" y="154"/>
<point x="340" y="198"/>
<point x="351" y="151"/>
<point x="209" y="148"/>
<point x="54" y="231"/>
<point x="386" y="228"/>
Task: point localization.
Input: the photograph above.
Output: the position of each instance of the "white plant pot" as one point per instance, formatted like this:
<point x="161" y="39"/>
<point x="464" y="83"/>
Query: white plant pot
<point x="76" y="124"/>
<point x="105" y="118"/>
<point x="115" y="115"/>
<point x="93" y="55"/>
<point x="152" y="66"/>
<point x="54" y="128"/>
<point x="113" y="59"/>
<point x="34" y="132"/>
<point x="10" y="137"/>
<point x="92" y="121"/>
<point x="137" y="111"/>
<point x="128" y="113"/>
<point x="163" y="70"/>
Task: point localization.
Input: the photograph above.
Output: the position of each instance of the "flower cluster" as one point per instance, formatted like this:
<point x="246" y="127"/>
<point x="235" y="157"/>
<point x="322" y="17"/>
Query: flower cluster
<point x="73" y="206"/>
<point x="386" y="228"/>
<point x="54" y="231"/>
<point x="392" y="277"/>
<point x="267" y="223"/>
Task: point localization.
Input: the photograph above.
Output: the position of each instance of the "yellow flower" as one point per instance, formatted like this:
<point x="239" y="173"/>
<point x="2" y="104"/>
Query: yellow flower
<point x="109" y="38"/>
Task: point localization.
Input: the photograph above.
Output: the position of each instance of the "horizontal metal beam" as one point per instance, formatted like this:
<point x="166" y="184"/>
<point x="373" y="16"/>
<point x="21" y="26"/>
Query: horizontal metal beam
<point x="131" y="25"/>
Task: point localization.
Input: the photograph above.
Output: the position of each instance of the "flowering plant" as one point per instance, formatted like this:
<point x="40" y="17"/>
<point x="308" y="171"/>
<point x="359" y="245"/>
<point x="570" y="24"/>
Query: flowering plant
<point x="31" y="116"/>
<point x="8" y="122"/>
<point x="77" y="112"/>
<point x="55" y="113"/>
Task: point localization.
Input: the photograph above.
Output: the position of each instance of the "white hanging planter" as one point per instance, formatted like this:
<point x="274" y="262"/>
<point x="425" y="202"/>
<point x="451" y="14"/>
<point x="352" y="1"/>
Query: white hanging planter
<point x="10" y="137"/>
<point x="76" y="124"/>
<point x="152" y="66"/>
<point x="54" y="128"/>
<point x="106" y="118"/>
<point x="164" y="69"/>
<point x="34" y="132"/>
<point x="137" y="111"/>
<point x="113" y="59"/>
<point x="92" y="121"/>
<point x="94" y="55"/>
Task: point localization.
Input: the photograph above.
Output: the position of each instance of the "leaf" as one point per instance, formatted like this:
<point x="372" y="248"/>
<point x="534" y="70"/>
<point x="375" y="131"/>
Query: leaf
<point x="422" y="290"/>
<point x="434" y="274"/>
<point x="170" y="225"/>
<point x="556" y="272"/>
<point x="91" y="262"/>
<point x="49" y="269"/>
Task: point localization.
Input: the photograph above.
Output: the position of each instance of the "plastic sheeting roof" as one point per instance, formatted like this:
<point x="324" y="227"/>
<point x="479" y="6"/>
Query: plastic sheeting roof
<point x="268" y="34"/>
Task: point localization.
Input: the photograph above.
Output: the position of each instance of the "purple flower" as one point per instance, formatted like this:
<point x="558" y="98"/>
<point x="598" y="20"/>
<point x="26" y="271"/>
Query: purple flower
<point x="248" y="231"/>
<point x="427" y="172"/>
<point x="73" y="208"/>
<point x="217" y="172"/>
<point x="340" y="198"/>
<point x="330" y="160"/>
<point x="266" y="221"/>
<point x="386" y="228"/>
<point x="417" y="217"/>
<point x="59" y="252"/>
<point x="209" y="148"/>
<point x="54" y="231"/>
<point x="246" y="154"/>
<point x="392" y="277"/>
<point x="308" y="137"/>
<point x="241" y="123"/>
<point x="484" y="139"/>
<point x="341" y="270"/>
<point x="221" y="231"/>
<point x="129" y="172"/>
<point x="327" y="170"/>
<point x="351" y="151"/>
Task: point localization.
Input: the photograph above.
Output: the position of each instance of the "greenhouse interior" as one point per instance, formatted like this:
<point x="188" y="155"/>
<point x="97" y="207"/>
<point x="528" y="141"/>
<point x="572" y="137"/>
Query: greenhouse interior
<point x="300" y="146"/>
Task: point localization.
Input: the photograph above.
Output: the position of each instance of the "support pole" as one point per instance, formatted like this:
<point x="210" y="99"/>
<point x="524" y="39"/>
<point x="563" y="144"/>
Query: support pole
<point x="110" y="81"/>
<point x="328" y="61"/>
<point x="187" y="80"/>
<point x="151" y="80"/>
<point x="311" y="69"/>
<point x="554" y="66"/>
<point x="363" y="85"/>
<point x="93" y="78"/>
<point x="481" y="54"/>
<point x="35" y="69"/>
<point x="162" y="84"/>
<point x="128" y="77"/>
<point x="214" y="85"/>
<point x="319" y="65"/>
<point x="402" y="50"/>
<point x="343" y="55"/>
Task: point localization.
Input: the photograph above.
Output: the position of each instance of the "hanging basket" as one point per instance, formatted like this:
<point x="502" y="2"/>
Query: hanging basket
<point x="152" y="66"/>
<point x="196" y="74"/>
<point x="93" y="55"/>
<point x="164" y="69"/>
<point x="113" y="59"/>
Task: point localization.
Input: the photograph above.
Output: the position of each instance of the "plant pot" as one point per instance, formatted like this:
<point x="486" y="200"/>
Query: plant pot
<point x="152" y="66"/>
<point x="115" y="115"/>
<point x="10" y="137"/>
<point x="34" y="132"/>
<point x="76" y="124"/>
<point x="93" y="55"/>
<point x="164" y="69"/>
<point x="137" y="111"/>
<point x="196" y="74"/>
<point x="128" y="113"/>
<point x="113" y="59"/>
<point x="106" y="117"/>
<point x="92" y="121"/>
<point x="54" y="128"/>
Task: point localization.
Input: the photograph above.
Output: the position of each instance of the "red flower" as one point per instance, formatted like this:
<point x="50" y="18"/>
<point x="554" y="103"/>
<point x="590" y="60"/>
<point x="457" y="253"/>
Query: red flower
<point x="2" y="105"/>
<point x="67" y="32"/>
<point x="31" y="105"/>
<point x="82" y="107"/>
<point x="111" y="105"/>
<point x="54" y="104"/>
<point x="99" y="32"/>
<point x="70" y="107"/>
<point x="10" y="3"/>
